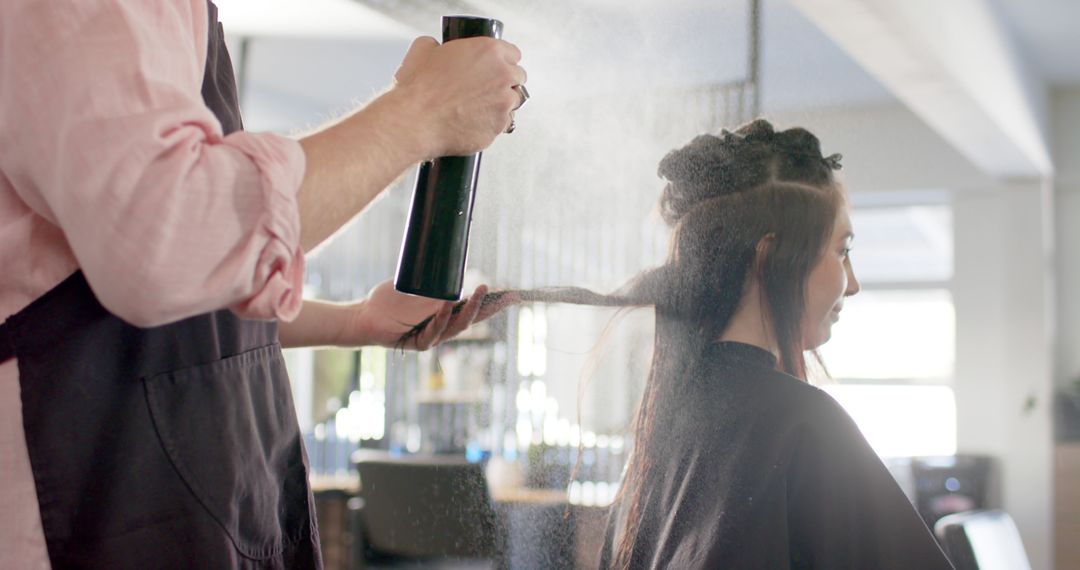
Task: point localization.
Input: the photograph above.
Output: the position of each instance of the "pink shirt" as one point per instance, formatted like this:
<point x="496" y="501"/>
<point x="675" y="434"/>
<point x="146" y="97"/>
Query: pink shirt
<point x="111" y="163"/>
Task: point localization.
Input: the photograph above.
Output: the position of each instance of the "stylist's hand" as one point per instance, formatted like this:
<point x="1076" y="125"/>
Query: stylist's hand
<point x="462" y="91"/>
<point x="386" y="314"/>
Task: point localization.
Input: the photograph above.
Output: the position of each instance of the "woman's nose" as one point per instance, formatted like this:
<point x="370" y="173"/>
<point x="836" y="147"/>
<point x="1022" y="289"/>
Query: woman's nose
<point x="853" y="286"/>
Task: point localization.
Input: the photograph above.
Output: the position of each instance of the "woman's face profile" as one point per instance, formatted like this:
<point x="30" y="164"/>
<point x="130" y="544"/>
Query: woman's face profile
<point x="831" y="280"/>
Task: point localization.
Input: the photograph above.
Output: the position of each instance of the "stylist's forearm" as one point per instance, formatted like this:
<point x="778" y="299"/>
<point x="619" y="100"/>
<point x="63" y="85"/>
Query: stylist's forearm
<point x="320" y="323"/>
<point x="352" y="161"/>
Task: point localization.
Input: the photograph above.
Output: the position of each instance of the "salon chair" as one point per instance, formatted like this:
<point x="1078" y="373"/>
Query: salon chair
<point x="426" y="512"/>
<point x="982" y="540"/>
<point x="950" y="484"/>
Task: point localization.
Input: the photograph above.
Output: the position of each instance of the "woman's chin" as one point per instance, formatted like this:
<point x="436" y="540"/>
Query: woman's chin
<point x="819" y="339"/>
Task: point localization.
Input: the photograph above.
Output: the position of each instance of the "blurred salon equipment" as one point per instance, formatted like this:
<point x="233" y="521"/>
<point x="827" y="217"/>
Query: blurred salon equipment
<point x="943" y="485"/>
<point x="1067" y="412"/>
<point x="982" y="540"/>
<point x="439" y="512"/>
<point x="950" y="484"/>
<point x="953" y="495"/>
<point x="435" y="510"/>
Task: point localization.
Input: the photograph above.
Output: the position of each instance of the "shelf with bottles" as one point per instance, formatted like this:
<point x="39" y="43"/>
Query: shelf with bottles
<point x="348" y="402"/>
<point x="456" y="373"/>
<point x="544" y="451"/>
<point x="453" y="398"/>
<point x="588" y="469"/>
<point x="583" y="472"/>
<point x="538" y="455"/>
<point x="486" y="400"/>
<point x="453" y="394"/>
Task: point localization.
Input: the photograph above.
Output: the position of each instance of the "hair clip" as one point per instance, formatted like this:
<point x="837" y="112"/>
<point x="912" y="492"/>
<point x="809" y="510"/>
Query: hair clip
<point x="833" y="161"/>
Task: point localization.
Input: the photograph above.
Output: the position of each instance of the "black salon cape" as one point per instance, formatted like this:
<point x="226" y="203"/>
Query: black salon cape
<point x="761" y="470"/>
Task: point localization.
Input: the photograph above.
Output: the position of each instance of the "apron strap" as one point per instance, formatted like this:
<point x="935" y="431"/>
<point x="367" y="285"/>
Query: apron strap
<point x="13" y="323"/>
<point x="7" y="343"/>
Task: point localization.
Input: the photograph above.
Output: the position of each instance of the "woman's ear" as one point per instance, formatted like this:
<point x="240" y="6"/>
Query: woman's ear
<point x="761" y="253"/>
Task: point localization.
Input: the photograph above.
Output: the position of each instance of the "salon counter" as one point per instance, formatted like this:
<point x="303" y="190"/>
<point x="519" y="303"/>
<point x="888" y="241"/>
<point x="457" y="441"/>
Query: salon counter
<point x="540" y="526"/>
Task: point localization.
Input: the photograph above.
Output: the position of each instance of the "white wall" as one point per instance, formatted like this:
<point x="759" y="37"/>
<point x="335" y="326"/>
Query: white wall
<point x="1065" y="137"/>
<point x="1004" y="374"/>
<point x="296" y="84"/>
<point x="886" y="148"/>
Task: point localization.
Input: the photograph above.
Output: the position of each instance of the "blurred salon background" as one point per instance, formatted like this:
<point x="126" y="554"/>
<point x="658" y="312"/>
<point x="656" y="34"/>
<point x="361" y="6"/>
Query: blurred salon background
<point x="959" y="123"/>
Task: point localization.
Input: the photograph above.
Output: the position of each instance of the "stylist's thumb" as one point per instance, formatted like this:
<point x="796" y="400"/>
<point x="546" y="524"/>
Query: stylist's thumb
<point x="418" y="53"/>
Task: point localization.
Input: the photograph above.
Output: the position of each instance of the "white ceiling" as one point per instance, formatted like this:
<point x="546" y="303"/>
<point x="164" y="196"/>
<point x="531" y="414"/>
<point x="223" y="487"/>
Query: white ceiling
<point x="1048" y="33"/>
<point x="610" y="46"/>
<point x="573" y="47"/>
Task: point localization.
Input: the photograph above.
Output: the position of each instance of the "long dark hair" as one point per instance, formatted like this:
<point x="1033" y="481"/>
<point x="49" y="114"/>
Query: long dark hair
<point x="750" y="202"/>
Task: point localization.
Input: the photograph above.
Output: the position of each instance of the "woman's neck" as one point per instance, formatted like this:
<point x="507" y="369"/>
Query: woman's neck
<point x="749" y="324"/>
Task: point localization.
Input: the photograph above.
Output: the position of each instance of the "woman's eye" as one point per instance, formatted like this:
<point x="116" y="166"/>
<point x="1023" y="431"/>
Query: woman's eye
<point x="845" y="252"/>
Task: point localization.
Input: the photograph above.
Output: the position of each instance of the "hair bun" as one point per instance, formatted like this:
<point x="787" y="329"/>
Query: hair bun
<point x="688" y="171"/>
<point x="756" y="131"/>
<point x="713" y="166"/>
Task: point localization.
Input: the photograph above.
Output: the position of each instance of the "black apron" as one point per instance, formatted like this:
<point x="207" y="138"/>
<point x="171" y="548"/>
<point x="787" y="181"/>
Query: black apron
<point x="170" y="447"/>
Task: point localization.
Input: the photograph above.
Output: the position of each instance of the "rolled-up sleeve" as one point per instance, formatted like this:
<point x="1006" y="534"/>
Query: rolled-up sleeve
<point x="104" y="133"/>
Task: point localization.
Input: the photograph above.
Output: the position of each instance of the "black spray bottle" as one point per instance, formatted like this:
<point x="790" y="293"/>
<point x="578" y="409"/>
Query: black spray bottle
<point x="436" y="243"/>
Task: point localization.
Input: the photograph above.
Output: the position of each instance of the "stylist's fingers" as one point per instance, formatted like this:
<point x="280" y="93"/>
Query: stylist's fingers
<point x="419" y="51"/>
<point x="520" y="76"/>
<point x="466" y="88"/>
<point x="466" y="315"/>
<point x="435" y="327"/>
<point x="513" y="53"/>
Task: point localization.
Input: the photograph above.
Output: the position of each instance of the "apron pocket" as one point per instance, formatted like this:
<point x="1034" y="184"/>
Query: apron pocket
<point x="229" y="429"/>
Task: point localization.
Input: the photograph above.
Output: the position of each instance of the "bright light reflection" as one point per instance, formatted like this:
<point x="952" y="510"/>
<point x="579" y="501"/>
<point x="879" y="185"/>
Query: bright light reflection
<point x="902" y="421"/>
<point x="894" y="335"/>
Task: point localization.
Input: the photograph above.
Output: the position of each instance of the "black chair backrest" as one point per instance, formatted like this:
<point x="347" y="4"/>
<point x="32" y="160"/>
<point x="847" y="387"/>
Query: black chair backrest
<point x="952" y="484"/>
<point x="982" y="540"/>
<point x="426" y="507"/>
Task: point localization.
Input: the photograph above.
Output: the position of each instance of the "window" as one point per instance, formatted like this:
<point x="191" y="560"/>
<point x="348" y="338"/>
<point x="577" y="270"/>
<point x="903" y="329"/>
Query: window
<point x="903" y="245"/>
<point x="894" y="334"/>
<point x="892" y="355"/>
<point x="901" y="420"/>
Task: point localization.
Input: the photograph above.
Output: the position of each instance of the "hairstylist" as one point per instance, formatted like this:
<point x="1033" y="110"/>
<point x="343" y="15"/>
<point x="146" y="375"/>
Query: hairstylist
<point x="149" y="250"/>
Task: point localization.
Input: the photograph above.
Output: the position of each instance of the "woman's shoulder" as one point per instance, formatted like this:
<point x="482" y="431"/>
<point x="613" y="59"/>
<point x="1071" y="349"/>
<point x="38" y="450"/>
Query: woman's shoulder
<point x="787" y="398"/>
<point x="810" y="407"/>
<point x="746" y="369"/>
<point x="743" y="391"/>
